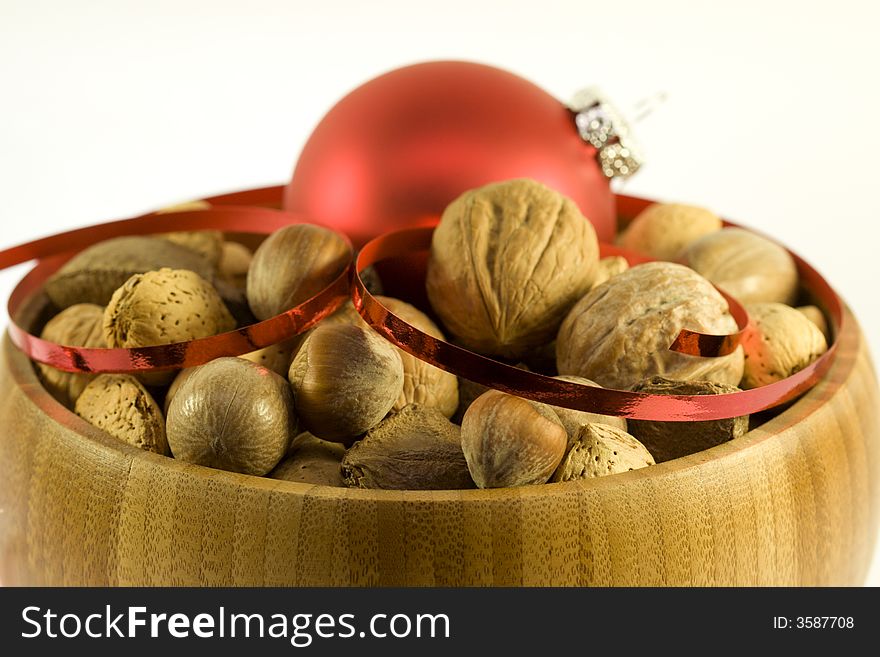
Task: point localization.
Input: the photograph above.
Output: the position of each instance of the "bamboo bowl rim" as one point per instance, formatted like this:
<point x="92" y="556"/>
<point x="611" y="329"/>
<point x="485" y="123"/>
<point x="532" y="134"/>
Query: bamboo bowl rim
<point x="24" y="375"/>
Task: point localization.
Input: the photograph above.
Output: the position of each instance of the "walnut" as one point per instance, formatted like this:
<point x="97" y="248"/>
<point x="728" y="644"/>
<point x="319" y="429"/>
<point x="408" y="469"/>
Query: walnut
<point x="620" y="333"/>
<point x="663" y="230"/>
<point x="599" y="450"/>
<point x="745" y="265"/>
<point x="76" y="326"/>
<point x="414" y="449"/>
<point x="235" y="260"/>
<point x="507" y="261"/>
<point x="671" y="440"/>
<point x="784" y="343"/>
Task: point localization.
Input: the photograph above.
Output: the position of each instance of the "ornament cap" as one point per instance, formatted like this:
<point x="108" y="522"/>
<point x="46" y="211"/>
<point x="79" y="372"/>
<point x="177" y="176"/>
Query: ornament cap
<point x="601" y="125"/>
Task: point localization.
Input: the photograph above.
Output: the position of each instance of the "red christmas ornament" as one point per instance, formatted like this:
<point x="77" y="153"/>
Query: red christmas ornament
<point x="397" y="150"/>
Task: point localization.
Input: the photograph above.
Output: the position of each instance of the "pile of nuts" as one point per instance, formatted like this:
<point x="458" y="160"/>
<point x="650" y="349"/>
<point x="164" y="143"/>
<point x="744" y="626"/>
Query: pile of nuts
<point x="514" y="273"/>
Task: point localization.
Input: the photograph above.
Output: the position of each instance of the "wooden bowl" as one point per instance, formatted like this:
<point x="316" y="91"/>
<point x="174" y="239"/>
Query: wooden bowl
<point x="794" y="502"/>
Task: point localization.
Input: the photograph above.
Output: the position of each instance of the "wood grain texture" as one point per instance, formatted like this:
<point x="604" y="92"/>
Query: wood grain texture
<point x="794" y="502"/>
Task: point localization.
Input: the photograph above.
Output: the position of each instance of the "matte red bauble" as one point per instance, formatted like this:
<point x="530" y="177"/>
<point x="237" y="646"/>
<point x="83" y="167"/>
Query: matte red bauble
<point x="397" y="150"/>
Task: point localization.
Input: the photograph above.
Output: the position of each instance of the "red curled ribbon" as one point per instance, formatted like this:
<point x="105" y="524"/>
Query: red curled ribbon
<point x="260" y="217"/>
<point x="538" y="387"/>
<point x="54" y="251"/>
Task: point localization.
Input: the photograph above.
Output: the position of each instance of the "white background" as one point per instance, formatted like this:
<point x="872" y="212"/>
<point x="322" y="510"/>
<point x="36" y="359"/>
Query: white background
<point x="109" y="109"/>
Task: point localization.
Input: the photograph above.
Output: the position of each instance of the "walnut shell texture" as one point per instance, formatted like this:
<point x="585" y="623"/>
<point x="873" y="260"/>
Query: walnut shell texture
<point x="94" y="274"/>
<point x="610" y="267"/>
<point x="235" y="260"/>
<point x="207" y="243"/>
<point x="663" y="230"/>
<point x="510" y="441"/>
<point x="784" y="343"/>
<point x="620" y="333"/>
<point x="292" y="265"/>
<point x="345" y="379"/>
<point x="311" y="461"/>
<point x="121" y="406"/>
<point x="745" y="265"/>
<point x="507" y="262"/>
<point x="78" y="325"/>
<point x="234" y="415"/>
<point x="417" y="448"/>
<point x="671" y="440"/>
<point x="600" y="450"/>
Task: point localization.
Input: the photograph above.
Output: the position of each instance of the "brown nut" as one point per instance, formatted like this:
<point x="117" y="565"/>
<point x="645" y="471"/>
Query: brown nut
<point x="206" y="243"/>
<point x="233" y="415"/>
<point x="311" y="461"/>
<point x="609" y="268"/>
<point x="276" y="357"/>
<point x="664" y="230"/>
<point x="235" y="260"/>
<point x="745" y="265"/>
<point x="94" y="274"/>
<point x="816" y="316"/>
<point x="784" y="342"/>
<point x="423" y="383"/>
<point x="600" y="450"/>
<point x="507" y="262"/>
<point x="573" y="420"/>
<point x="76" y="326"/>
<point x="345" y="379"/>
<point x="164" y="306"/>
<point x="620" y="333"/>
<point x="414" y="449"/>
<point x="292" y="265"/>
<point x="468" y="391"/>
<point x="510" y="441"/>
<point x="671" y="440"/>
<point x="121" y="406"/>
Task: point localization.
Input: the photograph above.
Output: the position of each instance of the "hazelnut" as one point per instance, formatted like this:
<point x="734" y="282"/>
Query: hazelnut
<point x="276" y="357"/>
<point x="423" y="383"/>
<point x="121" y="406"/>
<point x="292" y="265"/>
<point x="671" y="440"/>
<point x="311" y="461"/>
<point x="745" y="265"/>
<point x="507" y="261"/>
<point x="345" y="379"/>
<point x="600" y="450"/>
<point x="468" y="391"/>
<point x="510" y="441"/>
<point x="663" y="230"/>
<point x="416" y="448"/>
<point x="816" y="316"/>
<point x="94" y="274"/>
<point x="784" y="342"/>
<point x="573" y="420"/>
<point x="233" y="415"/>
<point x="620" y="333"/>
<point x="78" y="325"/>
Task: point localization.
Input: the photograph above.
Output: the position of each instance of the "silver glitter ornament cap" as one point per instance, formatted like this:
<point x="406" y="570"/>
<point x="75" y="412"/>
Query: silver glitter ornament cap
<point x="601" y="125"/>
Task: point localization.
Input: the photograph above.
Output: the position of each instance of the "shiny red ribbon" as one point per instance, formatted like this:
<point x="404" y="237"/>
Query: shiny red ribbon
<point x="258" y="215"/>
<point x="54" y="251"/>
<point x="538" y="387"/>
